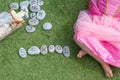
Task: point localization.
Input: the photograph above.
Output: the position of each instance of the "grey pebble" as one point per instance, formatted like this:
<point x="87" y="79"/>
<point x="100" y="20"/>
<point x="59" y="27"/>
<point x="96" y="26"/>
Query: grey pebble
<point x="25" y="9"/>
<point x="22" y="52"/>
<point x="24" y="3"/>
<point x="40" y="2"/>
<point x="66" y="51"/>
<point x="14" y="6"/>
<point x="33" y="15"/>
<point x="44" y="49"/>
<point x="30" y="28"/>
<point x="51" y="48"/>
<point x="47" y="26"/>
<point x="33" y="50"/>
<point x="58" y="49"/>
<point x="33" y="22"/>
<point x="34" y="8"/>
<point x="33" y="2"/>
<point x="41" y="14"/>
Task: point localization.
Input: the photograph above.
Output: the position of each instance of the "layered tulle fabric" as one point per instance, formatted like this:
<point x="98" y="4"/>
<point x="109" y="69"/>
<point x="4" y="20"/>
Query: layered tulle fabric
<point x="99" y="32"/>
<point x="109" y="7"/>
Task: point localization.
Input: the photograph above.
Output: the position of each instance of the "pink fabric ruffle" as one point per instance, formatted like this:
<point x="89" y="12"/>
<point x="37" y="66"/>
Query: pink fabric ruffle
<point x="98" y="7"/>
<point x="100" y="34"/>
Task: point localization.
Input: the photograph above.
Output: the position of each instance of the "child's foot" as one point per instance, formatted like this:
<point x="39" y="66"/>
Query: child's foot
<point x="107" y="70"/>
<point x="81" y="54"/>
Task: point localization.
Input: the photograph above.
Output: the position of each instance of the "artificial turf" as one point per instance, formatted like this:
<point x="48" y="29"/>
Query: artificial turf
<point x="53" y="66"/>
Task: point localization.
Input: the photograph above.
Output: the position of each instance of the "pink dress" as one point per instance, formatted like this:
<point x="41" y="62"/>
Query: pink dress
<point x="98" y="28"/>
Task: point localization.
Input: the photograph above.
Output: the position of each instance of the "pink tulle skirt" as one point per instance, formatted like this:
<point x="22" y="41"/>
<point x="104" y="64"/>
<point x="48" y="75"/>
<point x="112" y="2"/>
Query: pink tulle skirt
<point x="101" y="35"/>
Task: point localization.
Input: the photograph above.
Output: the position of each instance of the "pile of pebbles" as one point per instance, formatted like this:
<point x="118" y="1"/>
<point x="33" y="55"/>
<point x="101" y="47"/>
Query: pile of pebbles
<point x="34" y="50"/>
<point x="35" y="15"/>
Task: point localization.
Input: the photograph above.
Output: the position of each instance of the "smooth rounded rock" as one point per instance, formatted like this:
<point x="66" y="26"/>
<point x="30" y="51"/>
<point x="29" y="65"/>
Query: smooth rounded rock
<point x="58" y="49"/>
<point x="47" y="26"/>
<point x="30" y="28"/>
<point x="34" y="50"/>
<point x="51" y="48"/>
<point x="66" y="51"/>
<point x="41" y="14"/>
<point x="33" y="2"/>
<point x="22" y="52"/>
<point x="40" y="2"/>
<point x="14" y="6"/>
<point x="24" y="3"/>
<point x="44" y="49"/>
<point x="33" y="15"/>
<point x="34" y="8"/>
<point x="33" y="22"/>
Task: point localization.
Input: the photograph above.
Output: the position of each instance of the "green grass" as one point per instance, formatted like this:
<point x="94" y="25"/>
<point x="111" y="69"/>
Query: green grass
<point x="62" y="14"/>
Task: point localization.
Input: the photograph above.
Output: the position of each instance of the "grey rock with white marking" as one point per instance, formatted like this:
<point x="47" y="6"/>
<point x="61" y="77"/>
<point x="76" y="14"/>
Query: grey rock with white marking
<point x="40" y="2"/>
<point x="66" y="51"/>
<point x="33" y="22"/>
<point x="24" y="3"/>
<point x="41" y="14"/>
<point x="44" y="49"/>
<point x="33" y="50"/>
<point x="47" y="26"/>
<point x="33" y="2"/>
<point x="34" y="8"/>
<point x="14" y="6"/>
<point x="22" y="52"/>
<point x="51" y="48"/>
<point x="33" y="15"/>
<point x="58" y="49"/>
<point x="30" y="28"/>
<point x="25" y="9"/>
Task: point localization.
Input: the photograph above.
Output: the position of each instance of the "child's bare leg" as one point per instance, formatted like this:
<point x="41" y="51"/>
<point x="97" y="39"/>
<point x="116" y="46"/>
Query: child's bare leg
<point x="81" y="53"/>
<point x="105" y="66"/>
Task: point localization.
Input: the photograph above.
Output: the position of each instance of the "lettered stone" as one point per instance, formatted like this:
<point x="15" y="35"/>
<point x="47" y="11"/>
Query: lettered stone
<point x="22" y="52"/>
<point x="33" y="15"/>
<point x="34" y="50"/>
<point x="34" y="8"/>
<point x="40" y="2"/>
<point x="33" y="2"/>
<point x="58" y="49"/>
<point x="41" y="14"/>
<point x="30" y="28"/>
<point x="51" y="48"/>
<point x="14" y="6"/>
<point x="33" y="22"/>
<point x="24" y="3"/>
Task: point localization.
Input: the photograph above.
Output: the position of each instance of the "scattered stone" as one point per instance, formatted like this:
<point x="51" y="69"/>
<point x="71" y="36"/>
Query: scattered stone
<point x="33" y="2"/>
<point x="33" y="22"/>
<point x="66" y="51"/>
<point x="44" y="49"/>
<point x="33" y="15"/>
<point x="25" y="9"/>
<point x="22" y="53"/>
<point x="30" y="28"/>
<point x="24" y="3"/>
<point x="51" y="48"/>
<point x="40" y="2"/>
<point x="41" y="14"/>
<point x="34" y="50"/>
<point x="14" y="6"/>
<point x="47" y="26"/>
<point x="34" y="8"/>
<point x="58" y="49"/>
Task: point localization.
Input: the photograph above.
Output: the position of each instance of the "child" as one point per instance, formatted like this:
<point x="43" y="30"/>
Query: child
<point x="97" y="32"/>
<point x="10" y="21"/>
